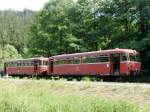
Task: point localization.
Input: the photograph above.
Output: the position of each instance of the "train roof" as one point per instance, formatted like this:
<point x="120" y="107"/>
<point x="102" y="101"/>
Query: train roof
<point x="101" y="52"/>
<point x="29" y="59"/>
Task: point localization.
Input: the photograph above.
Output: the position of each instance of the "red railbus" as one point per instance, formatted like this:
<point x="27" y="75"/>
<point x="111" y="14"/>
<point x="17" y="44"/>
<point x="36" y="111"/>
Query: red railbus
<point x="112" y="62"/>
<point x="31" y="66"/>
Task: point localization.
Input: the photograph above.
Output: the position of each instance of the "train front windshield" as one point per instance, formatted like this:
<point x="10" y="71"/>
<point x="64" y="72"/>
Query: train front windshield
<point x="134" y="57"/>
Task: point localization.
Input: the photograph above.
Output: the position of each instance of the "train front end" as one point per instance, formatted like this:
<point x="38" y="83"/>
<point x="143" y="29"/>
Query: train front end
<point x="130" y="63"/>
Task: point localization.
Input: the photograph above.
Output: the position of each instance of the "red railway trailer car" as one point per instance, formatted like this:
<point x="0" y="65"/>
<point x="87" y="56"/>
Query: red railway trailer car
<point x="105" y="62"/>
<point x="31" y="66"/>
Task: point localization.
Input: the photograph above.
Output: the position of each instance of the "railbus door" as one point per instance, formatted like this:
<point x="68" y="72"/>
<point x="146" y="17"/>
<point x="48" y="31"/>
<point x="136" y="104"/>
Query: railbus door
<point x="115" y="59"/>
<point x="5" y="65"/>
<point x="51" y="65"/>
<point x="36" y="64"/>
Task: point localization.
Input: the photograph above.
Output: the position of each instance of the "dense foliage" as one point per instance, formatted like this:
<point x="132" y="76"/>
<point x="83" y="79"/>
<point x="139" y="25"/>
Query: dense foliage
<point x="14" y="29"/>
<point x="8" y="52"/>
<point x="64" y="26"/>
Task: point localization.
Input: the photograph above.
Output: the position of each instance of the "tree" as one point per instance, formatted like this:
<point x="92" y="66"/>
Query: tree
<point x="64" y="26"/>
<point x="52" y="28"/>
<point x="8" y="52"/>
<point x="14" y="28"/>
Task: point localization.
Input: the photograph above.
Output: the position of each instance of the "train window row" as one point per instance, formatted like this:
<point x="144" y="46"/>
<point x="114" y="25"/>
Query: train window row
<point x="31" y="63"/>
<point x="102" y="58"/>
<point x="67" y="62"/>
<point x="84" y="60"/>
<point x="96" y="59"/>
<point x="131" y="57"/>
<point x="134" y="57"/>
<point x="14" y="64"/>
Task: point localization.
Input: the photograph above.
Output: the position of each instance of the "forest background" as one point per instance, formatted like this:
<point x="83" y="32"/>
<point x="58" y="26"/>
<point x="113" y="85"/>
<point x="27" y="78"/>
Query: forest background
<point x="66" y="26"/>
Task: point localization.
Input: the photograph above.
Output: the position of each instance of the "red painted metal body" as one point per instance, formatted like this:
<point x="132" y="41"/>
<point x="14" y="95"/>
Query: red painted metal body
<point x="128" y="67"/>
<point x="85" y="69"/>
<point x="32" y="66"/>
<point x="124" y="67"/>
<point x="104" y="63"/>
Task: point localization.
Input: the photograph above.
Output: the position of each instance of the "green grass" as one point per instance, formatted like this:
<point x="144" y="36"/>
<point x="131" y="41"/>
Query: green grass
<point x="31" y="96"/>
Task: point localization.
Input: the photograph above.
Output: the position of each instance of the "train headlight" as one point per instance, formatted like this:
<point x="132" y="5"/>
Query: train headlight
<point x="107" y="65"/>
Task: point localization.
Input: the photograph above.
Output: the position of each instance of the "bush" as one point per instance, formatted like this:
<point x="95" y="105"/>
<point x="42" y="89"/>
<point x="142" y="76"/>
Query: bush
<point x="8" y="52"/>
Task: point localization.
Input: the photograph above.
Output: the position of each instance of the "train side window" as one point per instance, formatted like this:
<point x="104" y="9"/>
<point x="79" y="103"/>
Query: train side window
<point x="45" y="62"/>
<point x="75" y="61"/>
<point x="89" y="60"/>
<point x="8" y="64"/>
<point x="57" y="62"/>
<point x="23" y="64"/>
<point x="103" y="58"/>
<point x="125" y="57"/>
<point x="5" y="64"/>
<point x="27" y="63"/>
<point x="18" y="64"/>
<point x="12" y="64"/>
<point x="86" y="60"/>
<point x="94" y="60"/>
<point x="138" y="58"/>
<point x="40" y="62"/>
<point x="132" y="57"/>
<point x="31" y="63"/>
<point x="67" y="61"/>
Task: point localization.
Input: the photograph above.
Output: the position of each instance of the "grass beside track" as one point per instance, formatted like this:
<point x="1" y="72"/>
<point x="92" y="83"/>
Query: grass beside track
<point x="57" y="96"/>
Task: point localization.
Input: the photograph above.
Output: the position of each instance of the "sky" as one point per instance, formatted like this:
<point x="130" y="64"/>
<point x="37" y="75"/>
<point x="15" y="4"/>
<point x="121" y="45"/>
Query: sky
<point x="22" y="4"/>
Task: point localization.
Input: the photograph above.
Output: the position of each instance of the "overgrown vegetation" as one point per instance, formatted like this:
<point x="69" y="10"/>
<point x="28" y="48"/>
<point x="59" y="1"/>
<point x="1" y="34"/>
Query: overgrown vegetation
<point x="48" y="96"/>
<point x="8" y="52"/>
<point x="14" y="29"/>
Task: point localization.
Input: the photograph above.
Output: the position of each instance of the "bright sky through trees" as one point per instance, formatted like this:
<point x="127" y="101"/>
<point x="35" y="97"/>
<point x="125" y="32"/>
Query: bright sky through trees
<point x="22" y="4"/>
